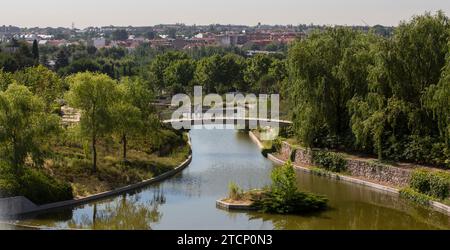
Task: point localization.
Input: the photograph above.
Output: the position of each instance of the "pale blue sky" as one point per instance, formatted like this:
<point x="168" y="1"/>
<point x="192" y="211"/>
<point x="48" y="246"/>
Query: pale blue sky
<point x="28" y="13"/>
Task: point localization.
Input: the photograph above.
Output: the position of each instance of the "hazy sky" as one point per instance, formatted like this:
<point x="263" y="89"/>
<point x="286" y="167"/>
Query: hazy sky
<point x="30" y="13"/>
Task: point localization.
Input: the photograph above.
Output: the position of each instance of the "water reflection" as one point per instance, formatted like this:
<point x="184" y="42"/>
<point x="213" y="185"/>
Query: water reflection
<point x="126" y="213"/>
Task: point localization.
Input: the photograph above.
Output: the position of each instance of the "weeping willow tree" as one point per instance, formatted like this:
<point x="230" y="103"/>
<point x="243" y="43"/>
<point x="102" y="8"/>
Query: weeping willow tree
<point x="392" y="119"/>
<point x="438" y="100"/>
<point x="325" y="72"/>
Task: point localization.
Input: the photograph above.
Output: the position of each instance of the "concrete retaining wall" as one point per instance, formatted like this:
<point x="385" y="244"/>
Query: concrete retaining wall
<point x="16" y="205"/>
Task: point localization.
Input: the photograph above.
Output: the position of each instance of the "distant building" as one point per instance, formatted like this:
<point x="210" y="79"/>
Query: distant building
<point x="179" y="43"/>
<point x="57" y="43"/>
<point x="43" y="42"/>
<point x="99" y="42"/>
<point x="258" y="36"/>
<point x="255" y="52"/>
<point x="226" y="40"/>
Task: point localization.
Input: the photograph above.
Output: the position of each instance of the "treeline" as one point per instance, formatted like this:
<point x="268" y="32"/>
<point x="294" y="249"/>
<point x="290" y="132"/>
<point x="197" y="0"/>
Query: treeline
<point x="18" y="55"/>
<point x="217" y="69"/>
<point x="175" y="72"/>
<point x="386" y="96"/>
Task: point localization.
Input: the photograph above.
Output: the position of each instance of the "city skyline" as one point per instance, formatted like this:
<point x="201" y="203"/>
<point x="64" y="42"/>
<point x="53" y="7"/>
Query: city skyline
<point x="53" y="13"/>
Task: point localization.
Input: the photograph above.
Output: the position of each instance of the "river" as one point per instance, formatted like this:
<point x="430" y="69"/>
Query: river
<point x="187" y="200"/>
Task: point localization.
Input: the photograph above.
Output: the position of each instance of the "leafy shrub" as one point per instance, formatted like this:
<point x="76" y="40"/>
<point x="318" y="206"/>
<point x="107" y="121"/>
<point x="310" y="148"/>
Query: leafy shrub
<point x="330" y="161"/>
<point x="41" y="188"/>
<point x="277" y="144"/>
<point x="166" y="140"/>
<point x="287" y="131"/>
<point x="33" y="184"/>
<point x="417" y="149"/>
<point x="411" y="194"/>
<point x="425" y="150"/>
<point x="298" y="203"/>
<point x="435" y="184"/>
<point x="8" y="183"/>
<point x="283" y="196"/>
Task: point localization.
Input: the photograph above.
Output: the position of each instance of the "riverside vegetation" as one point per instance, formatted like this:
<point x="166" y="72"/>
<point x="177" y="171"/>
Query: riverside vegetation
<point x="118" y="141"/>
<point x="282" y="197"/>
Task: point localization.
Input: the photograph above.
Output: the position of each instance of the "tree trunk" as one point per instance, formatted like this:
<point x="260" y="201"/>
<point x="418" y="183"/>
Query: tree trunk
<point x="124" y="141"/>
<point x="94" y="154"/>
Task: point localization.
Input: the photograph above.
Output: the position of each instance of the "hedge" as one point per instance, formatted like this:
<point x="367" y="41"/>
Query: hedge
<point x="432" y="183"/>
<point x="331" y="161"/>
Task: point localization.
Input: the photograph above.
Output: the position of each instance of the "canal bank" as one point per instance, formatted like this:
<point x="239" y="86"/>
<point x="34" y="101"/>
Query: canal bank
<point x="187" y="200"/>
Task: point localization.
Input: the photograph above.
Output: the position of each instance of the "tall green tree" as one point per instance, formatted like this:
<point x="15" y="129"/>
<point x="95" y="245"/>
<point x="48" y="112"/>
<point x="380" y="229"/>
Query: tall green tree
<point x="35" y="50"/>
<point x="132" y="111"/>
<point x="94" y="94"/>
<point x="220" y="73"/>
<point x="257" y="67"/>
<point x="25" y="127"/>
<point x="437" y="99"/>
<point x="323" y="77"/>
<point x="62" y="59"/>
<point x="42" y="82"/>
<point x="392" y="116"/>
<point x="127" y="122"/>
<point x="158" y="67"/>
<point x="6" y="78"/>
<point x="178" y="76"/>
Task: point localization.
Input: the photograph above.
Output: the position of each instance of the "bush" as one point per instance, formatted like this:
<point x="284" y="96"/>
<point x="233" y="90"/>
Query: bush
<point x="411" y="194"/>
<point x="330" y="161"/>
<point x="33" y="184"/>
<point x="283" y="196"/>
<point x="41" y="188"/>
<point x="425" y="150"/>
<point x="298" y="203"/>
<point x="287" y="131"/>
<point x="435" y="184"/>
<point x="166" y="140"/>
<point x="417" y="149"/>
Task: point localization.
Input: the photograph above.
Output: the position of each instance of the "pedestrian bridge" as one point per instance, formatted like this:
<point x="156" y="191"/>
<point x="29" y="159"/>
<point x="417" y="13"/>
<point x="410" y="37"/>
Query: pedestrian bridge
<point x="248" y="121"/>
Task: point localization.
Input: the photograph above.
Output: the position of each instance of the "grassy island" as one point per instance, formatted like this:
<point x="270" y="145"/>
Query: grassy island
<point x="282" y="197"/>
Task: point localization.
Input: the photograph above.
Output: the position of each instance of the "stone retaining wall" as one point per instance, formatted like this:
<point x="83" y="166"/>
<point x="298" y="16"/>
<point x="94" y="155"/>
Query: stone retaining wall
<point x="378" y="172"/>
<point x="366" y="169"/>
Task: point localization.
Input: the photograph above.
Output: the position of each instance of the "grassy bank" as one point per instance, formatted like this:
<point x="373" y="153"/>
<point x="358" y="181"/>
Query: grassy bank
<point x="67" y="172"/>
<point x="112" y="172"/>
